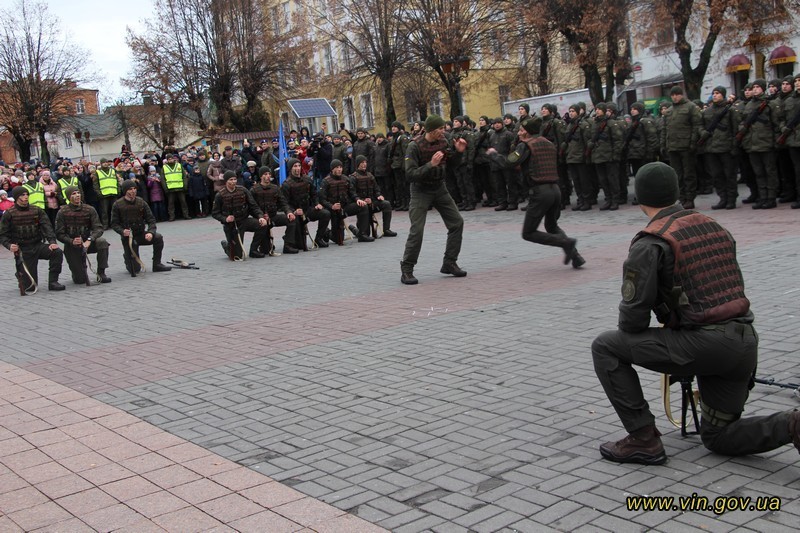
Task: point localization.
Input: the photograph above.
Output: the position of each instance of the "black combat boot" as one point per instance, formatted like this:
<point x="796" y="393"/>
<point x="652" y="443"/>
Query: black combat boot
<point x="159" y="267"/>
<point x="407" y="274"/>
<point x="450" y="267"/>
<point x="643" y="446"/>
<point x="54" y="285"/>
<point x="101" y="275"/>
<point x="389" y="233"/>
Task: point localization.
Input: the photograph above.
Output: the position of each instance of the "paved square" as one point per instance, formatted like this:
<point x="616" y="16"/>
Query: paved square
<point x="454" y="405"/>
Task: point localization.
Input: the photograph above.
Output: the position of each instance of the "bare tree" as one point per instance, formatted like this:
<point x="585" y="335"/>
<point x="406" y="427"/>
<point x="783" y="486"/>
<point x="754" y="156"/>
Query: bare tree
<point x="707" y="18"/>
<point x="154" y="78"/>
<point x="370" y="32"/>
<point x="442" y="32"/>
<point x="259" y="69"/>
<point x="38" y="69"/>
<point x="593" y="30"/>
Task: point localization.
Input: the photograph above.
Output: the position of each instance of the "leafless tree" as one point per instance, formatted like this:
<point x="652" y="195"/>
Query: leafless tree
<point x="38" y="69"/>
<point x="369" y="33"/>
<point x="442" y="32"/>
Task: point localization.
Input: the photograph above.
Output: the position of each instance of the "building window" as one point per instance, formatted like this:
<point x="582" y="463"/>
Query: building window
<point x="349" y="113"/>
<point x="68" y="140"/>
<point x="436" y="104"/>
<point x="367" y="113"/>
<point x="276" y="20"/>
<point x="157" y="130"/>
<point x="327" y="60"/>
<point x="412" y="113"/>
<point x="665" y="33"/>
<point x="498" y="46"/>
<point x="505" y="93"/>
<point x="80" y="106"/>
<point x="567" y="54"/>
<point x="347" y="58"/>
<point x="287" y="16"/>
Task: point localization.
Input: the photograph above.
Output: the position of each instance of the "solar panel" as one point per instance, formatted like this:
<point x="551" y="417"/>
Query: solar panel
<point x="312" y="107"/>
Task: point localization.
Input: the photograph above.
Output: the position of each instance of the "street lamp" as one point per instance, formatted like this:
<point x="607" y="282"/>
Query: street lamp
<point x="82" y="138"/>
<point x="458" y="69"/>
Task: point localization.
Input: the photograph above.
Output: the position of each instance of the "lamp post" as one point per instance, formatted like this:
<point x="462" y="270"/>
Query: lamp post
<point x="82" y="138"/>
<point x="457" y="69"/>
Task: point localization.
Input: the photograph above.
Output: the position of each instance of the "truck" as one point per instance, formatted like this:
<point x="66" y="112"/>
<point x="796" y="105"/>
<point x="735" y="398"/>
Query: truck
<point x="561" y="100"/>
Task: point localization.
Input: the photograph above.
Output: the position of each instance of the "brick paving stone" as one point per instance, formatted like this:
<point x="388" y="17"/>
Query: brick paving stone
<point x="488" y="377"/>
<point x="85" y="502"/>
<point x="155" y="504"/>
<point x="39" y="516"/>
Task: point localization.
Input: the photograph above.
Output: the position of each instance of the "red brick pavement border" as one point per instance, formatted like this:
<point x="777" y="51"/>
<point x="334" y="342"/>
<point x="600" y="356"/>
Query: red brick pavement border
<point x="71" y="463"/>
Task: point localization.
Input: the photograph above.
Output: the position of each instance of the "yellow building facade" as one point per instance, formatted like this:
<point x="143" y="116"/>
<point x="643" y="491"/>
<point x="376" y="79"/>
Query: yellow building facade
<point x="359" y="102"/>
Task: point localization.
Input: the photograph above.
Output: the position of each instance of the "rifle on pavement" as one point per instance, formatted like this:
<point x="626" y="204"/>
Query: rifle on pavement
<point x="180" y="263"/>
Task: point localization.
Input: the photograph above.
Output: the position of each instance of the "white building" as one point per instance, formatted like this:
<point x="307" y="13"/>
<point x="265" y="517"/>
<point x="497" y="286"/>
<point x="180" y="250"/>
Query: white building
<point x="735" y="60"/>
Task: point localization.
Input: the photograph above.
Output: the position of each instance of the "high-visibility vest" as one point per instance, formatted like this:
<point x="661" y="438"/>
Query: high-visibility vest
<point x="173" y="177"/>
<point x="35" y="194"/>
<point x="108" y="182"/>
<point x="64" y="184"/>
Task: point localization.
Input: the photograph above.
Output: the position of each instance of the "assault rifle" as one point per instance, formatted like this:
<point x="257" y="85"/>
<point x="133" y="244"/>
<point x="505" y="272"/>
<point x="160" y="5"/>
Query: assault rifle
<point x="271" y="240"/>
<point x="749" y="121"/>
<point x="791" y="126"/>
<point x="570" y="134"/>
<point x="771" y="381"/>
<point x="180" y="263"/>
<point x="21" y="274"/>
<point x="85" y="265"/>
<point x="715" y="122"/>
<point x="629" y="138"/>
<point x="596" y="138"/>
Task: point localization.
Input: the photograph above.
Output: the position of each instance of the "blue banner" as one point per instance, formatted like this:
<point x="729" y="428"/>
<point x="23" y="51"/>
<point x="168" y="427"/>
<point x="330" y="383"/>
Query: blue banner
<point x="281" y="154"/>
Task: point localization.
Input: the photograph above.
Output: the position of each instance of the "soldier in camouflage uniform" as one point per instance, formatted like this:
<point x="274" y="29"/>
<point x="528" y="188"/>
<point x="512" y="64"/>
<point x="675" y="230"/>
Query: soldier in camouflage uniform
<point x="397" y="154"/>
<point x="78" y="226"/>
<point x="426" y="159"/>
<point x="463" y="171"/>
<point x="367" y="189"/>
<point x="337" y="195"/>
<point x="270" y="200"/>
<point x="23" y="229"/>
<point x="131" y="217"/>
<point x="302" y="199"/>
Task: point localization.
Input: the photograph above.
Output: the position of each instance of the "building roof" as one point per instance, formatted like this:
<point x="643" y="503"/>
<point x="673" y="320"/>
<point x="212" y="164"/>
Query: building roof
<point x="102" y="127"/>
<point x="252" y="136"/>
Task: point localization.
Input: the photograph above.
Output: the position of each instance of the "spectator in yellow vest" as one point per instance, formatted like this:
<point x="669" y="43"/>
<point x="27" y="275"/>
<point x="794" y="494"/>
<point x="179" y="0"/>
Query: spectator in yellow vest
<point x="175" y="181"/>
<point x="107" y="188"/>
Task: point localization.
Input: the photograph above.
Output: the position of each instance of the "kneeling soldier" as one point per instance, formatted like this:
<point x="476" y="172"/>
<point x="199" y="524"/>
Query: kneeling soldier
<point x="129" y="215"/>
<point x="233" y="207"/>
<point x="78" y="226"/>
<point x="269" y="199"/>
<point x="367" y="189"/>
<point x="339" y="197"/>
<point x="23" y="229"/>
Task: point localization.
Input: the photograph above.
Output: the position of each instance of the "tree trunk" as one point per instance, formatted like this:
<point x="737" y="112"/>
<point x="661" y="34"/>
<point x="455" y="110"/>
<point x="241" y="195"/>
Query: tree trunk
<point x="24" y="147"/>
<point x="544" y="66"/>
<point x="593" y="82"/>
<point x="455" y="101"/>
<point x="125" y="132"/>
<point x="388" y="98"/>
<point x="44" y="153"/>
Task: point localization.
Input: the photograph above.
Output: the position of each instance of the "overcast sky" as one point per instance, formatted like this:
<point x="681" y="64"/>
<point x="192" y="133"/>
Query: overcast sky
<point x="99" y="27"/>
